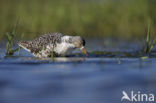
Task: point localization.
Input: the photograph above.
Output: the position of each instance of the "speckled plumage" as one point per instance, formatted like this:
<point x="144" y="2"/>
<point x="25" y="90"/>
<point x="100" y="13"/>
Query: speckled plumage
<point x="47" y="44"/>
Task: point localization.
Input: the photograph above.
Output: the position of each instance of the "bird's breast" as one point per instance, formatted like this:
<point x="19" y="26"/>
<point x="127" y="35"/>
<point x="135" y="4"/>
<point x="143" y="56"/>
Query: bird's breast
<point x="64" y="48"/>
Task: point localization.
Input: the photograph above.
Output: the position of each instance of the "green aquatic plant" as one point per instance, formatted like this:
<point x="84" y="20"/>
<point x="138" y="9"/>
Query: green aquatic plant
<point x="149" y="43"/>
<point x="10" y="41"/>
<point x="19" y="49"/>
<point x="52" y="55"/>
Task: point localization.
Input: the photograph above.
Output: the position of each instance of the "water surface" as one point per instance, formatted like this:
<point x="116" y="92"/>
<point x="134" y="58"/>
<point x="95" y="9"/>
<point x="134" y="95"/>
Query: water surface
<point x="75" y="79"/>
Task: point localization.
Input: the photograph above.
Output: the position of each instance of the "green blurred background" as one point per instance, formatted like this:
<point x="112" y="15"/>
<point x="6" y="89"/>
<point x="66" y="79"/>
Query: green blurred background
<point x="89" y="18"/>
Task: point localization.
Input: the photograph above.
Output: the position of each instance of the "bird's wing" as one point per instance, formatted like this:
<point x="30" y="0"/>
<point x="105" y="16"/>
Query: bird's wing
<point x="29" y="46"/>
<point x="40" y="43"/>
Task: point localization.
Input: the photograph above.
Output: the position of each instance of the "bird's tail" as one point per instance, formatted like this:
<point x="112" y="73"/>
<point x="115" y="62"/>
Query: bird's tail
<point x="24" y="44"/>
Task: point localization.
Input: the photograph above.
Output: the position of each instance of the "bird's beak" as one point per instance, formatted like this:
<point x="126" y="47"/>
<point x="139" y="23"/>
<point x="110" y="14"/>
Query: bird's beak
<point x="84" y="51"/>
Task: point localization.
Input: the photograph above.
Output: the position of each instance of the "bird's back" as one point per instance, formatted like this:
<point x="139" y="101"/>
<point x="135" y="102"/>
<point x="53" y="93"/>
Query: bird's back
<point x="40" y="43"/>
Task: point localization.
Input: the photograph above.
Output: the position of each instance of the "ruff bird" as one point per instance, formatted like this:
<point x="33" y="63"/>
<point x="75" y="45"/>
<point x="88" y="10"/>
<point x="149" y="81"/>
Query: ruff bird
<point x="53" y="43"/>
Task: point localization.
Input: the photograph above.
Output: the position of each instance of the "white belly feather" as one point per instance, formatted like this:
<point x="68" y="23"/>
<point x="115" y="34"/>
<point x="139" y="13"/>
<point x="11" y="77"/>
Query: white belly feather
<point x="64" y="48"/>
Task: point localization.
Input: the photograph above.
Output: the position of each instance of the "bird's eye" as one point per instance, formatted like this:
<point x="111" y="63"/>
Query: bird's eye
<point x="83" y="42"/>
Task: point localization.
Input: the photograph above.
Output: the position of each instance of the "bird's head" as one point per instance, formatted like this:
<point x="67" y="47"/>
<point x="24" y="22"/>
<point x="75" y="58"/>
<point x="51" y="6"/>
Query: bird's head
<point x="79" y="42"/>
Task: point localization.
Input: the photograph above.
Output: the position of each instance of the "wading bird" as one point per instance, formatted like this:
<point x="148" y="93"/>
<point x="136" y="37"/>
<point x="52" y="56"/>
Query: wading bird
<point x="53" y="43"/>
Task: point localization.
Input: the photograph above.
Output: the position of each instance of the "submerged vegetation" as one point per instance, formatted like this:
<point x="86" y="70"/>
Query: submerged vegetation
<point x="106" y="18"/>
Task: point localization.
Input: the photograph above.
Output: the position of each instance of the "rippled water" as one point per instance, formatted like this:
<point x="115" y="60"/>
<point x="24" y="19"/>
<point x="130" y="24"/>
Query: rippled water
<point x="75" y="79"/>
